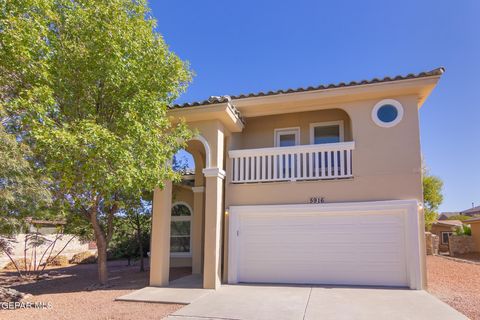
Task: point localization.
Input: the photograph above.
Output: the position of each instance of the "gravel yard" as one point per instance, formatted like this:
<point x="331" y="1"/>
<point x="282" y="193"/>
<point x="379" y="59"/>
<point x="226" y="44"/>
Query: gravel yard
<point x="456" y="283"/>
<point x="66" y="291"/>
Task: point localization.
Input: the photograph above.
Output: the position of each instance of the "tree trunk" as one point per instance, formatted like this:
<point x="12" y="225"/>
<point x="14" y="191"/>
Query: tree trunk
<point x="101" y="242"/>
<point x="14" y="263"/>
<point x="140" y="242"/>
<point x="102" y="262"/>
<point x="140" y="247"/>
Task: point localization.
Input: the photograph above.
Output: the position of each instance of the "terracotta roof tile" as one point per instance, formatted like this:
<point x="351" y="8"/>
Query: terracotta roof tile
<point x="221" y="99"/>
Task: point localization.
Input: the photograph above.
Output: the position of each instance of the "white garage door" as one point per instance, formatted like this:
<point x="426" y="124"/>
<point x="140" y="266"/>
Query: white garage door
<point x="319" y="245"/>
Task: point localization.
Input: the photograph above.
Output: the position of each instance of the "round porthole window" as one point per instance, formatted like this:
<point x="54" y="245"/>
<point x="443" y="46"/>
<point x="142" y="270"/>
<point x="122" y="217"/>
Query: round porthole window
<point x="387" y="113"/>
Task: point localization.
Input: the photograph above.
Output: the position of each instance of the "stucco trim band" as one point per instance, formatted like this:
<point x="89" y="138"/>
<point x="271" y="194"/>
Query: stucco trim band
<point x="214" y="172"/>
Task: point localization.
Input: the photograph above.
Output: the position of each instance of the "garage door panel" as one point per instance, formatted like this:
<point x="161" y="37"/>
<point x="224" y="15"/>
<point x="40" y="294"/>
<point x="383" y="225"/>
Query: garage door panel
<point x="362" y="248"/>
<point x="369" y="276"/>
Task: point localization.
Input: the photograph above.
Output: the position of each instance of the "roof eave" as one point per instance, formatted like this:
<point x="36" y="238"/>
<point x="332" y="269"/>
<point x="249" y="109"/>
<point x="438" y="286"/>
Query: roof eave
<point x="220" y="99"/>
<point x="421" y="87"/>
<point x="219" y="111"/>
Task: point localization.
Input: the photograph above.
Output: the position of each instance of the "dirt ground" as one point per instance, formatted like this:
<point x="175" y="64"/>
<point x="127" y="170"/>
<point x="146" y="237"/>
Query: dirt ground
<point x="475" y="257"/>
<point x="456" y="283"/>
<point x="67" y="293"/>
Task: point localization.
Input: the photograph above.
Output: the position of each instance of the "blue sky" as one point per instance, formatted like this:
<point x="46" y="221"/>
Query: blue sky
<point x="248" y="46"/>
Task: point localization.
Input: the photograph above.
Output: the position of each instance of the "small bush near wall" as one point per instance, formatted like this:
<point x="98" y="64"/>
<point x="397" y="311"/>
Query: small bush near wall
<point x="20" y="263"/>
<point x="463" y="231"/>
<point x="83" y="258"/>
<point x="461" y="245"/>
<point x="59" y="261"/>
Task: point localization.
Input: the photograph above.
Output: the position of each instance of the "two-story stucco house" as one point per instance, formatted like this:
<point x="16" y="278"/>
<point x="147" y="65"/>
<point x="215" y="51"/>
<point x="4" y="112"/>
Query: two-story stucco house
<point x="317" y="185"/>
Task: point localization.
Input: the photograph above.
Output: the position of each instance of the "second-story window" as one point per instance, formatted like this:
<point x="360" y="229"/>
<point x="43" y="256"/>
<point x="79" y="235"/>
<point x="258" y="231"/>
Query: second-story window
<point x="287" y="137"/>
<point x="326" y="132"/>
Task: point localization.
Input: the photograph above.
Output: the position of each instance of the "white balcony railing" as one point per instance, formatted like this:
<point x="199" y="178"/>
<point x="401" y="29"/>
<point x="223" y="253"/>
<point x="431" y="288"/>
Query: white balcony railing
<point x="306" y="162"/>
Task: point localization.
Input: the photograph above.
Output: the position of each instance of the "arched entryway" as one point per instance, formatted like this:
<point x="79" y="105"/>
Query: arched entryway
<point x="188" y="207"/>
<point x="202" y="189"/>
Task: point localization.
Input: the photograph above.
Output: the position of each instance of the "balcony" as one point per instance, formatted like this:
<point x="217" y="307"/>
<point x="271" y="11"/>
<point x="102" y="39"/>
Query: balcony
<point x="305" y="162"/>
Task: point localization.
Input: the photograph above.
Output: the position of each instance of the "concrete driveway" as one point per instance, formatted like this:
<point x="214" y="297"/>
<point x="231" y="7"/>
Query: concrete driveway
<point x="305" y="302"/>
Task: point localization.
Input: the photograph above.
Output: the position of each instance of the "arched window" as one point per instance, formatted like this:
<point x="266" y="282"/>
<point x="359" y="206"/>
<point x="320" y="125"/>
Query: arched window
<point x="181" y="230"/>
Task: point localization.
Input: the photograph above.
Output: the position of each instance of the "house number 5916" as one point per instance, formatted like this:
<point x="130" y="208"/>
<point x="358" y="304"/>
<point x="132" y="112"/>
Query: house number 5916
<point x="317" y="200"/>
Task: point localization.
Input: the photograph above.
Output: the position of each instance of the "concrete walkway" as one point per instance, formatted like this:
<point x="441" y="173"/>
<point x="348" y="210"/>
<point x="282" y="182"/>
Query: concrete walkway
<point x="304" y="302"/>
<point x="181" y="291"/>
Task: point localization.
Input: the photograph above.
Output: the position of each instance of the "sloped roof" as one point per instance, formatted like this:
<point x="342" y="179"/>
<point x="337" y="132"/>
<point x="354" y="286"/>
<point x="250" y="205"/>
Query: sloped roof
<point x="472" y="210"/>
<point x="446" y="215"/>
<point x="472" y="220"/>
<point x="455" y="223"/>
<point x="222" y="99"/>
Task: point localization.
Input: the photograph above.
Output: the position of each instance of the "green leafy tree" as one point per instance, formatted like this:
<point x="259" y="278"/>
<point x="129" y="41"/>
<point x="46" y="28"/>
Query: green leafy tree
<point x="460" y="217"/>
<point x="87" y="85"/>
<point x="23" y="192"/>
<point x="132" y="236"/>
<point x="432" y="197"/>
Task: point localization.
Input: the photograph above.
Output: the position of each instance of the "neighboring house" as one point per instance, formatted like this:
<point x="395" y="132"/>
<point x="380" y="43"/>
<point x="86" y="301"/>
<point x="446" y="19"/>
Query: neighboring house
<point x="447" y="215"/>
<point x="444" y="229"/>
<point x="310" y="185"/>
<point x="45" y="227"/>
<point x="472" y="212"/>
<point x="475" y="225"/>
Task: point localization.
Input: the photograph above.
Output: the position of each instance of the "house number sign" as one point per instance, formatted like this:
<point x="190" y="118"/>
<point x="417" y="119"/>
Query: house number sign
<point x="316" y="200"/>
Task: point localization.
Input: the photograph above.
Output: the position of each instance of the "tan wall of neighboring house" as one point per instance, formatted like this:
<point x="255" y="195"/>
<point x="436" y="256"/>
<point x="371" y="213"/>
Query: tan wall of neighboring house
<point x="476" y="235"/>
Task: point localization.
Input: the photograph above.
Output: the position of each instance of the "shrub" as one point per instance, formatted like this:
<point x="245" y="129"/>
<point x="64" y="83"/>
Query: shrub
<point x="83" y="258"/>
<point x="463" y="231"/>
<point x="20" y="264"/>
<point x="58" y="261"/>
<point x="12" y="295"/>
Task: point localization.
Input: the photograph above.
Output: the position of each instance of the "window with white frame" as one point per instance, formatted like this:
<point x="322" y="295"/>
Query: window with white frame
<point x="287" y="137"/>
<point x="326" y="132"/>
<point x="445" y="236"/>
<point x="181" y="230"/>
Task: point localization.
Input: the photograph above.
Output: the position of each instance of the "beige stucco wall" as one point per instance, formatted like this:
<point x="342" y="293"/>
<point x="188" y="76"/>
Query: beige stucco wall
<point x="386" y="161"/>
<point x="259" y="131"/>
<point x="182" y="194"/>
